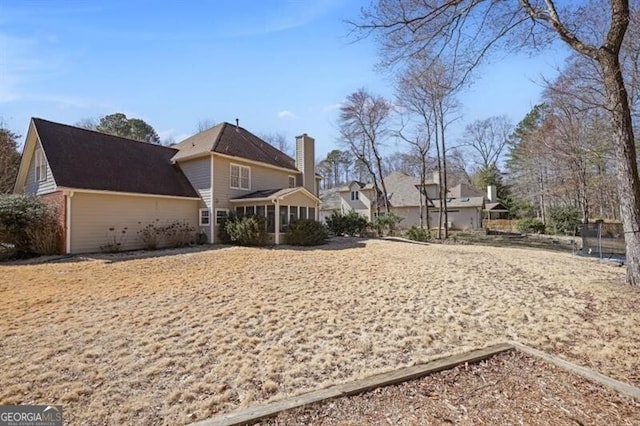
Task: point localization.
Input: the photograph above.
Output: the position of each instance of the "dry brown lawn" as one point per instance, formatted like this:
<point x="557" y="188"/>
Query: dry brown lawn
<point x="178" y="338"/>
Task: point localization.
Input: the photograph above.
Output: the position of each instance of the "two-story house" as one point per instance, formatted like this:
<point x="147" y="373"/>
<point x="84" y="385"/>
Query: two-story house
<point x="111" y="187"/>
<point x="464" y="204"/>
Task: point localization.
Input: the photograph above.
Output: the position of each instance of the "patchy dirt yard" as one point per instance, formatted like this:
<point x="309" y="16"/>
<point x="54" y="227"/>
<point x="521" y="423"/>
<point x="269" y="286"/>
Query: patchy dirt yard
<point x="178" y="338"/>
<point x="507" y="389"/>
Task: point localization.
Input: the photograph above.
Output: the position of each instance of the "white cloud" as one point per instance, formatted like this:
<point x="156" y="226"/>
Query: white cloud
<point x="333" y="107"/>
<point x="286" y="115"/>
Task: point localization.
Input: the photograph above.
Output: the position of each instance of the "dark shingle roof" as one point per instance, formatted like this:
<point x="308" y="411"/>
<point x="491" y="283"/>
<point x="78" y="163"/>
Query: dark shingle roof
<point x="265" y="193"/>
<point x="269" y="194"/>
<point x="85" y="159"/>
<point x="229" y="139"/>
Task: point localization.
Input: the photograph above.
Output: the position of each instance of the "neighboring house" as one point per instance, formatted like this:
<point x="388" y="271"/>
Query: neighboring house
<point x="464" y="204"/>
<point x="356" y="196"/>
<point x="494" y="208"/>
<point x="106" y="184"/>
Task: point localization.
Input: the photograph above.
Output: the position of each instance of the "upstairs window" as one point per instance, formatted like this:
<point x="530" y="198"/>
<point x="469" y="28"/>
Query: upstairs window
<point x="355" y="195"/>
<point x="41" y="167"/>
<point x="240" y="177"/>
<point x="292" y="181"/>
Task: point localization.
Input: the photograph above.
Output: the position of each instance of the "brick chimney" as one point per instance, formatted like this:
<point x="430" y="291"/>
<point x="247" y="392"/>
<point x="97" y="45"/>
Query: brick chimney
<point x="305" y="161"/>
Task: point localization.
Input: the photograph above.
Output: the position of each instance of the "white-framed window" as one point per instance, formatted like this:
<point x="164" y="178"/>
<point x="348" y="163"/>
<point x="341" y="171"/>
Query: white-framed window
<point x="240" y="177"/>
<point x="205" y="218"/>
<point x="41" y="166"/>
<point x="355" y="195"/>
<point x="221" y="214"/>
<point x="292" y="181"/>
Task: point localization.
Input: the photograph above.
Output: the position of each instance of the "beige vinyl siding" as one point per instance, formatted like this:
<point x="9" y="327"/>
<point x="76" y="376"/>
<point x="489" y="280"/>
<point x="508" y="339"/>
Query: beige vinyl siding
<point x="298" y="199"/>
<point x="32" y="185"/>
<point x="464" y="219"/>
<point x="362" y="205"/>
<point x="198" y="172"/>
<point x="461" y="219"/>
<point x="410" y="216"/>
<point x="260" y="178"/>
<point x="92" y="215"/>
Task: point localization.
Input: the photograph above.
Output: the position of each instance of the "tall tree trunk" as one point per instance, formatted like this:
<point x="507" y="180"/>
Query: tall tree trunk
<point x="543" y="215"/>
<point x="423" y="179"/>
<point x="439" y="184"/>
<point x="627" y="167"/>
<point x="444" y="173"/>
<point x="384" y="187"/>
<point x="584" y="195"/>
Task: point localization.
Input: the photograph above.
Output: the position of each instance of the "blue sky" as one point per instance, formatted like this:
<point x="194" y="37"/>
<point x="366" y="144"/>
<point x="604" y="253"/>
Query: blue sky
<point x="279" y="66"/>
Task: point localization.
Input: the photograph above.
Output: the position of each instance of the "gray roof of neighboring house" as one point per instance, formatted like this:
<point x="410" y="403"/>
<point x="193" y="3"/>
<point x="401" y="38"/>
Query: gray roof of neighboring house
<point x="464" y="190"/>
<point x="86" y="159"/>
<point x="236" y="141"/>
<point x="347" y="187"/>
<point x="456" y="203"/>
<point x="330" y="199"/>
<point x="402" y="190"/>
<point x="498" y="206"/>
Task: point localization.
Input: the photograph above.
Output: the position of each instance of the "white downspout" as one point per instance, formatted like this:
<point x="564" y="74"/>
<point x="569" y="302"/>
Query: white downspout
<point x="212" y="211"/>
<point x="67" y="232"/>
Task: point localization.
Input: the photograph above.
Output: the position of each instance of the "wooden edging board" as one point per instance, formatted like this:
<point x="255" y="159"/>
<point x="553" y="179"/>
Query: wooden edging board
<point x="594" y="376"/>
<point x="253" y="414"/>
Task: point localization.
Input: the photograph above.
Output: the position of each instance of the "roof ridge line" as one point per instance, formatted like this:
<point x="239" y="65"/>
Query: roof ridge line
<point x="103" y="133"/>
<point x="215" y="143"/>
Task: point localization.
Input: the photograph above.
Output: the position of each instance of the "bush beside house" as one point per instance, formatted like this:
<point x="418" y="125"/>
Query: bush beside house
<point x="386" y="223"/>
<point x="29" y="226"/>
<point x="350" y="223"/>
<point x="244" y="231"/>
<point x="306" y="233"/>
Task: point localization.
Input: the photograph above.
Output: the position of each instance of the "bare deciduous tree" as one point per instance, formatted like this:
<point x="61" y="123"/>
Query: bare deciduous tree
<point x="279" y="141"/>
<point x="487" y="138"/>
<point x="427" y="89"/>
<point x="466" y="30"/>
<point x="364" y="125"/>
<point x="205" y="124"/>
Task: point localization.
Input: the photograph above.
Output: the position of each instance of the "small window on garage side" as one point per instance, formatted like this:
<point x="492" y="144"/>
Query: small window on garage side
<point x="205" y="220"/>
<point x="355" y="195"/>
<point x="292" y="181"/>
